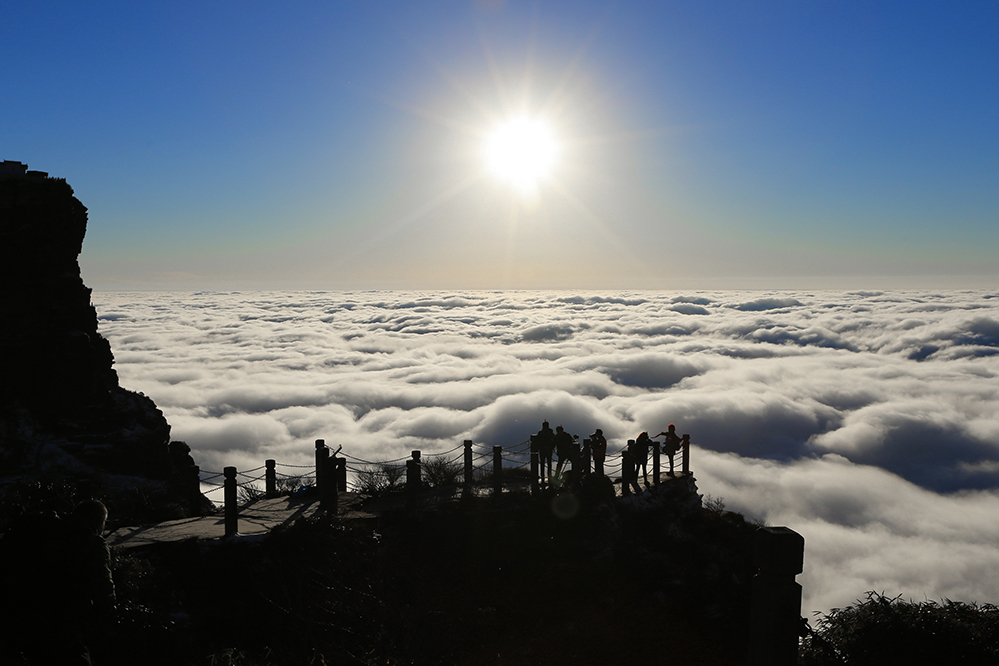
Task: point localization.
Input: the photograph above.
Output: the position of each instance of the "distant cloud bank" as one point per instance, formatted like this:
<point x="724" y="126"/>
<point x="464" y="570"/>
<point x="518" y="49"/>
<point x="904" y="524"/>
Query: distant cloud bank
<point x="867" y="421"/>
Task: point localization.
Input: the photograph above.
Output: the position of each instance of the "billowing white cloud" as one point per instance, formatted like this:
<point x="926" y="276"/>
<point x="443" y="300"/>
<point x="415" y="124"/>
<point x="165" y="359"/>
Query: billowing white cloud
<point x="867" y="421"/>
<point x="865" y="528"/>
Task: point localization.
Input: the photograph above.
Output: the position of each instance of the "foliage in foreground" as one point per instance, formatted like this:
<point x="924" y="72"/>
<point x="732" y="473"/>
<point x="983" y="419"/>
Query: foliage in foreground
<point x="883" y="630"/>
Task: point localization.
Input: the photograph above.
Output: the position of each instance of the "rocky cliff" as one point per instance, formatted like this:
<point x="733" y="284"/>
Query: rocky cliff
<point x="63" y="414"/>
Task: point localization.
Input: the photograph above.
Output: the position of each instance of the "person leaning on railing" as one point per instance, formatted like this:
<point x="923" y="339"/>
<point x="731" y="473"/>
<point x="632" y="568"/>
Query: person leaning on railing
<point x="671" y="444"/>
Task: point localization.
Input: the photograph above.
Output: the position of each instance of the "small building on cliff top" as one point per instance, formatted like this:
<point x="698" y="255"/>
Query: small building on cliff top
<point x="12" y="169"/>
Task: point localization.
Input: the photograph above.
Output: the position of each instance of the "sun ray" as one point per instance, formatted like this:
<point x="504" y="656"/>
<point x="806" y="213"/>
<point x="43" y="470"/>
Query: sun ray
<point x="441" y="198"/>
<point x="598" y="224"/>
<point x="559" y="91"/>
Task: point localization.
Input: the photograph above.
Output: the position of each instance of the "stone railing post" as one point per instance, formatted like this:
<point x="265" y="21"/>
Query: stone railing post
<point x="686" y="455"/>
<point x="629" y="470"/>
<point x="469" y="470"/>
<point x="497" y="469"/>
<point x="534" y="449"/>
<point x="775" y="610"/>
<point x="270" y="477"/>
<point x="229" y="495"/>
<point x="587" y="460"/>
<point x="324" y="479"/>
<point x="655" y="461"/>
<point x="413" y="480"/>
<point x="341" y="474"/>
<point x="328" y="498"/>
<point x="535" y="474"/>
<point x="322" y="453"/>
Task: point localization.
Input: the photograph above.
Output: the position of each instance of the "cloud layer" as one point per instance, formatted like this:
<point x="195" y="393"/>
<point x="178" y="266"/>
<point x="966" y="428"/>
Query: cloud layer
<point x="867" y="421"/>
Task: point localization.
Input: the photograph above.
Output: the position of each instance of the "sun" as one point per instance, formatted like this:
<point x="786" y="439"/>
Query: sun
<point x="521" y="151"/>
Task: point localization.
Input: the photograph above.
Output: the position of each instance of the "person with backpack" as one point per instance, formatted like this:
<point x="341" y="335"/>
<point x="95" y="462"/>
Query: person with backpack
<point x="670" y="445"/>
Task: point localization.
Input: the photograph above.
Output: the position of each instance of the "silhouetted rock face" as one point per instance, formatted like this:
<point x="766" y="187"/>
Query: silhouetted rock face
<point x="62" y="411"/>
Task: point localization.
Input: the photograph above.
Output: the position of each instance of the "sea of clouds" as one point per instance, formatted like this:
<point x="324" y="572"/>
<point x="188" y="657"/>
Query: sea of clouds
<point x="866" y="421"/>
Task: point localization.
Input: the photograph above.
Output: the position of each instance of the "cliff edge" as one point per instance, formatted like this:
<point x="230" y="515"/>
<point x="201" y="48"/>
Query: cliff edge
<point x="63" y="414"/>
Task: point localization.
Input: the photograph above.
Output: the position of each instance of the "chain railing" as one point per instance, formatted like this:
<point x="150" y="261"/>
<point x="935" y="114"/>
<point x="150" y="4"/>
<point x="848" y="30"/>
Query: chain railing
<point x="475" y="465"/>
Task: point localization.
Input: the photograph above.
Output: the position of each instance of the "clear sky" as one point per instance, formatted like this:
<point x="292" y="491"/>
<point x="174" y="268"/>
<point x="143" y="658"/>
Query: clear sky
<point x="332" y="145"/>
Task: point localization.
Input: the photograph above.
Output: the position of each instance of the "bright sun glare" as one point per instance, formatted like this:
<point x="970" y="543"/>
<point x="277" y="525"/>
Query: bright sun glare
<point x="521" y="151"/>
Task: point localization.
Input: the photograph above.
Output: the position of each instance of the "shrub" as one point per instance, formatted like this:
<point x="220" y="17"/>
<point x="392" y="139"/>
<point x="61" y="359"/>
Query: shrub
<point x="884" y="630"/>
<point x="440" y="472"/>
<point x="290" y="484"/>
<point x="248" y="493"/>
<point x="379" y="479"/>
<point x="716" y="504"/>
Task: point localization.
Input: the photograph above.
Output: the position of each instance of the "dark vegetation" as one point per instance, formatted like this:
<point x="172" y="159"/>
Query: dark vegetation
<point x="884" y="630"/>
<point x="132" y="505"/>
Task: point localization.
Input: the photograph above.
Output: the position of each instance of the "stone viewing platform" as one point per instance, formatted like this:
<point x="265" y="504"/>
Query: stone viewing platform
<point x="388" y="485"/>
<point x="260" y="516"/>
<point x="256" y="517"/>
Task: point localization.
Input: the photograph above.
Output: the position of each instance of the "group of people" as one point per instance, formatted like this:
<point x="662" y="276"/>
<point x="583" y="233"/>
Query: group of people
<point x="636" y="456"/>
<point x="558" y="443"/>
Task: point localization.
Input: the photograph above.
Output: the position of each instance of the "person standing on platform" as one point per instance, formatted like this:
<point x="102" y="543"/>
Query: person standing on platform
<point x="565" y="448"/>
<point x="670" y="445"/>
<point x="629" y="472"/>
<point x="641" y="450"/>
<point x="598" y="448"/>
<point x="545" y="440"/>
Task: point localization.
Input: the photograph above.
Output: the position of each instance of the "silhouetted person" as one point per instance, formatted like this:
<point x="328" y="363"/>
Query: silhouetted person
<point x="685" y="442"/>
<point x="598" y="447"/>
<point x="73" y="596"/>
<point x="565" y="448"/>
<point x="576" y="456"/>
<point x="545" y="440"/>
<point x="670" y="445"/>
<point x="629" y="472"/>
<point x="641" y="451"/>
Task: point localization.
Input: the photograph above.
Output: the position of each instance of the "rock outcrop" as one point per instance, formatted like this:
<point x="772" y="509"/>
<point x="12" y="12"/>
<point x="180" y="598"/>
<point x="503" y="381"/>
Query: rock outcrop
<point x="63" y="413"/>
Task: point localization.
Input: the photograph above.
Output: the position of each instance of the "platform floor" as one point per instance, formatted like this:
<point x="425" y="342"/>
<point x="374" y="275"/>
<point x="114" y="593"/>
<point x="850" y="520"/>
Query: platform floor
<point x="255" y="517"/>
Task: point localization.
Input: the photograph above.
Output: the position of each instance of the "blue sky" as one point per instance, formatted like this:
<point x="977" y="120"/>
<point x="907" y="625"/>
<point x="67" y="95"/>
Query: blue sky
<point x="339" y="145"/>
